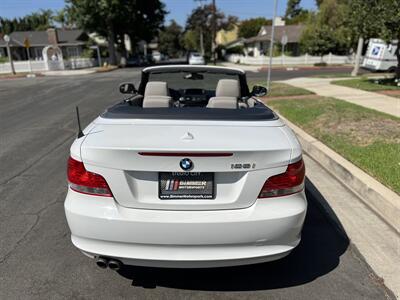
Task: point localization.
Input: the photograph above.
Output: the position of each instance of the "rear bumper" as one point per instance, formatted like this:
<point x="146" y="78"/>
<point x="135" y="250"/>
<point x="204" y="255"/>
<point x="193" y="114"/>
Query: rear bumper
<point x="267" y="230"/>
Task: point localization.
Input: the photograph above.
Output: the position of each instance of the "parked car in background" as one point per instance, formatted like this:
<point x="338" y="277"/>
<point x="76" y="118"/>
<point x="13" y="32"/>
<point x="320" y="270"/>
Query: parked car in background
<point x="196" y="58"/>
<point x="135" y="60"/>
<point x="157" y="56"/>
<point x="192" y="170"/>
<point x="380" y="56"/>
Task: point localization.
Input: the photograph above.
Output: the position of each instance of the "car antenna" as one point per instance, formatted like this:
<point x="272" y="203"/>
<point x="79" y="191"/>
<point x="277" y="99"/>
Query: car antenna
<point x="80" y="132"/>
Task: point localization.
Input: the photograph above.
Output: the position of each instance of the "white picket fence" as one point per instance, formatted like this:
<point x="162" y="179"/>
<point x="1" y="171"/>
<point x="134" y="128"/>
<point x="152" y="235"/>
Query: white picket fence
<point x="290" y="60"/>
<point x="41" y="66"/>
<point x="23" y="66"/>
<point x="80" y="63"/>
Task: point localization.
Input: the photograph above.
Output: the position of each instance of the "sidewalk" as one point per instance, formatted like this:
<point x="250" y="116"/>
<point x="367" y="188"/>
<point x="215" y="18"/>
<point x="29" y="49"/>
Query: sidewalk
<point x="79" y="71"/>
<point x="69" y="72"/>
<point x="254" y="68"/>
<point x="323" y="87"/>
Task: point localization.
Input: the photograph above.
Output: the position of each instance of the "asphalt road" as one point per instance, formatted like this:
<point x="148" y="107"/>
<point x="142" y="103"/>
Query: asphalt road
<point x="38" y="261"/>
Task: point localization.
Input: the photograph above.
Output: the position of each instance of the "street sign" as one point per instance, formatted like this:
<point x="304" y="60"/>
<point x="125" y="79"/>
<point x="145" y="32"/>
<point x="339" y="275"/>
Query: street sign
<point x="284" y="39"/>
<point x="27" y="44"/>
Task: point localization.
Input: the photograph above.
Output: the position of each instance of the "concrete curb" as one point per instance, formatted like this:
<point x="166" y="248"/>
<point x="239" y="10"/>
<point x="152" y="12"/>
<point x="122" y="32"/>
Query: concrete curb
<point x="380" y="199"/>
<point x="69" y="72"/>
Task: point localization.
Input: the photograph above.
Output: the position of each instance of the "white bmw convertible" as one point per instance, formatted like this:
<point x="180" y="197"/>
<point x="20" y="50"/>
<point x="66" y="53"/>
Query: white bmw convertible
<point x="191" y="170"/>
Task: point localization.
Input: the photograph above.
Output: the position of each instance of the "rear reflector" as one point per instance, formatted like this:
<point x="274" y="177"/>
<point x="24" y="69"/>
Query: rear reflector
<point x="290" y="182"/>
<point x="187" y="154"/>
<point x="86" y="182"/>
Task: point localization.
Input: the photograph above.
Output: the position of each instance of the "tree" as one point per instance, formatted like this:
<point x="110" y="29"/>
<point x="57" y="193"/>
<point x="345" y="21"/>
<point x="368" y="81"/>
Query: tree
<point x="190" y="40"/>
<point x="376" y="19"/>
<point x="293" y="9"/>
<point x="301" y="18"/>
<point x="65" y="17"/>
<point x="201" y="20"/>
<point x="170" y="39"/>
<point x="317" y="40"/>
<point x="327" y="30"/>
<point x="114" y="18"/>
<point x="36" y="21"/>
<point x="251" y="27"/>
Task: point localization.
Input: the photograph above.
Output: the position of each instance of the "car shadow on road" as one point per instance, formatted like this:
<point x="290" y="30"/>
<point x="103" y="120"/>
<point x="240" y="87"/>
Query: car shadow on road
<point x="323" y="242"/>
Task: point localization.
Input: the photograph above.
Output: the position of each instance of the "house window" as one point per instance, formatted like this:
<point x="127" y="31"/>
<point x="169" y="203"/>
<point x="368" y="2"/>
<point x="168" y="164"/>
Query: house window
<point x="72" y="52"/>
<point x="37" y="53"/>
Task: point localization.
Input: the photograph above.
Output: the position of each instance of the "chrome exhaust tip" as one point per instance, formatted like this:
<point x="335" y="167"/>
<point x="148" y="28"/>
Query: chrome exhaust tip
<point x="114" y="264"/>
<point x="102" y="262"/>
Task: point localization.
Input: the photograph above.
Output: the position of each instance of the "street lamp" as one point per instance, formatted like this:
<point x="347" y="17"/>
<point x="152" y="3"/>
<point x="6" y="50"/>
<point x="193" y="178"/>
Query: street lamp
<point x="7" y="39"/>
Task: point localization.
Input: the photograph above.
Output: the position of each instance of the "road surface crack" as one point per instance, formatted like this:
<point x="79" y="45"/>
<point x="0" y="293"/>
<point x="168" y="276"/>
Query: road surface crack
<point x="20" y="173"/>
<point x="37" y="215"/>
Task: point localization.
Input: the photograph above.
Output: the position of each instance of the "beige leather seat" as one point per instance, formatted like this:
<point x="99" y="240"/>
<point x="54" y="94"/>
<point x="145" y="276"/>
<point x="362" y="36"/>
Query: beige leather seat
<point x="226" y="94"/>
<point x="156" y="94"/>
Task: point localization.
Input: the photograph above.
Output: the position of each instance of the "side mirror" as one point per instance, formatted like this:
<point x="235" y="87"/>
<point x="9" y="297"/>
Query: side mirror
<point x="259" y="91"/>
<point x="127" y="88"/>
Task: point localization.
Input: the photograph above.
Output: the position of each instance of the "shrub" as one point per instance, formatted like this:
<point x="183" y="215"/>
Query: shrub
<point x="235" y="50"/>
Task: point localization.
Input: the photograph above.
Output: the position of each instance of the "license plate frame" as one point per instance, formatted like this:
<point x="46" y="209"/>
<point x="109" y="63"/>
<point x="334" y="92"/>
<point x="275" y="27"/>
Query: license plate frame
<point x="186" y="186"/>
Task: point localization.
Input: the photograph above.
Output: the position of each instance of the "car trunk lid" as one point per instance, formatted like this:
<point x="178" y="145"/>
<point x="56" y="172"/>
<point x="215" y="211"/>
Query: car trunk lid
<point x="239" y="155"/>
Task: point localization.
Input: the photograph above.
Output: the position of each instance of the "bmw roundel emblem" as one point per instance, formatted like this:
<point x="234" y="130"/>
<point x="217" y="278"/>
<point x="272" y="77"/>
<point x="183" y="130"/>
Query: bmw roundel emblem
<point x="186" y="164"/>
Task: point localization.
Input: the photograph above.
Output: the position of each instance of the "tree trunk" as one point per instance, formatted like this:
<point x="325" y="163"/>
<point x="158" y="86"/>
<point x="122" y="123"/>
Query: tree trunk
<point x="122" y="49"/>
<point x="214" y="32"/>
<point x="201" y="42"/>
<point x="398" y="58"/>
<point x="111" y="45"/>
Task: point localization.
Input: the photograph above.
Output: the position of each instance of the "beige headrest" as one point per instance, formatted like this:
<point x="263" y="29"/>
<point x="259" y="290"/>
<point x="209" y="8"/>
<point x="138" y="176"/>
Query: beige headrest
<point x="227" y="88"/>
<point x="156" y="88"/>
<point x="223" y="102"/>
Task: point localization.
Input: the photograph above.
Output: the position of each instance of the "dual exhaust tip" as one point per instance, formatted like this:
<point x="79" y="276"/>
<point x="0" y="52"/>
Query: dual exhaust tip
<point x="105" y="263"/>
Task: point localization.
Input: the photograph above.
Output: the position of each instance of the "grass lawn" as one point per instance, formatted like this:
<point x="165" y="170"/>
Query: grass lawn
<point x="369" y="139"/>
<point x="281" y="89"/>
<point x="368" y="84"/>
<point x="333" y="75"/>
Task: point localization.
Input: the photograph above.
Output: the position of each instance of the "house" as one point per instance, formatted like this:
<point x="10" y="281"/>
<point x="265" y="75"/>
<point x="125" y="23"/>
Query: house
<point x="224" y="37"/>
<point x="70" y="41"/>
<point x="259" y="44"/>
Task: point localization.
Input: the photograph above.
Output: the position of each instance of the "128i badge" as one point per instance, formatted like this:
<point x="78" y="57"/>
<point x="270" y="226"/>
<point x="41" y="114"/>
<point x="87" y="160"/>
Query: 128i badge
<point x="243" y="166"/>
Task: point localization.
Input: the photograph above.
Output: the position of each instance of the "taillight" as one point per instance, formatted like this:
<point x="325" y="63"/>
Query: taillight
<point x="86" y="182"/>
<point x="290" y="182"/>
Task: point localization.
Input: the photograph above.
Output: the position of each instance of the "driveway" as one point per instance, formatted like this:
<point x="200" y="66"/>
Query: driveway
<point x="38" y="261"/>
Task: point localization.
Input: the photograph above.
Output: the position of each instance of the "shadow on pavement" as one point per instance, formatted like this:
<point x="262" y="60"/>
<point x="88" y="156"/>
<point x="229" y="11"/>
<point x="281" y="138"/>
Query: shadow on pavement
<point x="323" y="242"/>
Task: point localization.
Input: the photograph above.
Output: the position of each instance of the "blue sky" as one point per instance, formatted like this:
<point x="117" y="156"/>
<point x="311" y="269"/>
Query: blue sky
<point x="179" y="9"/>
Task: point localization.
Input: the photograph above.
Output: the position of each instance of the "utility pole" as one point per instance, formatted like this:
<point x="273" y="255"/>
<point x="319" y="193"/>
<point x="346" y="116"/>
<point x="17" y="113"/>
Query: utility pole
<point x="358" y="56"/>
<point x="214" y="32"/>
<point x="201" y="28"/>
<point x="271" y="46"/>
